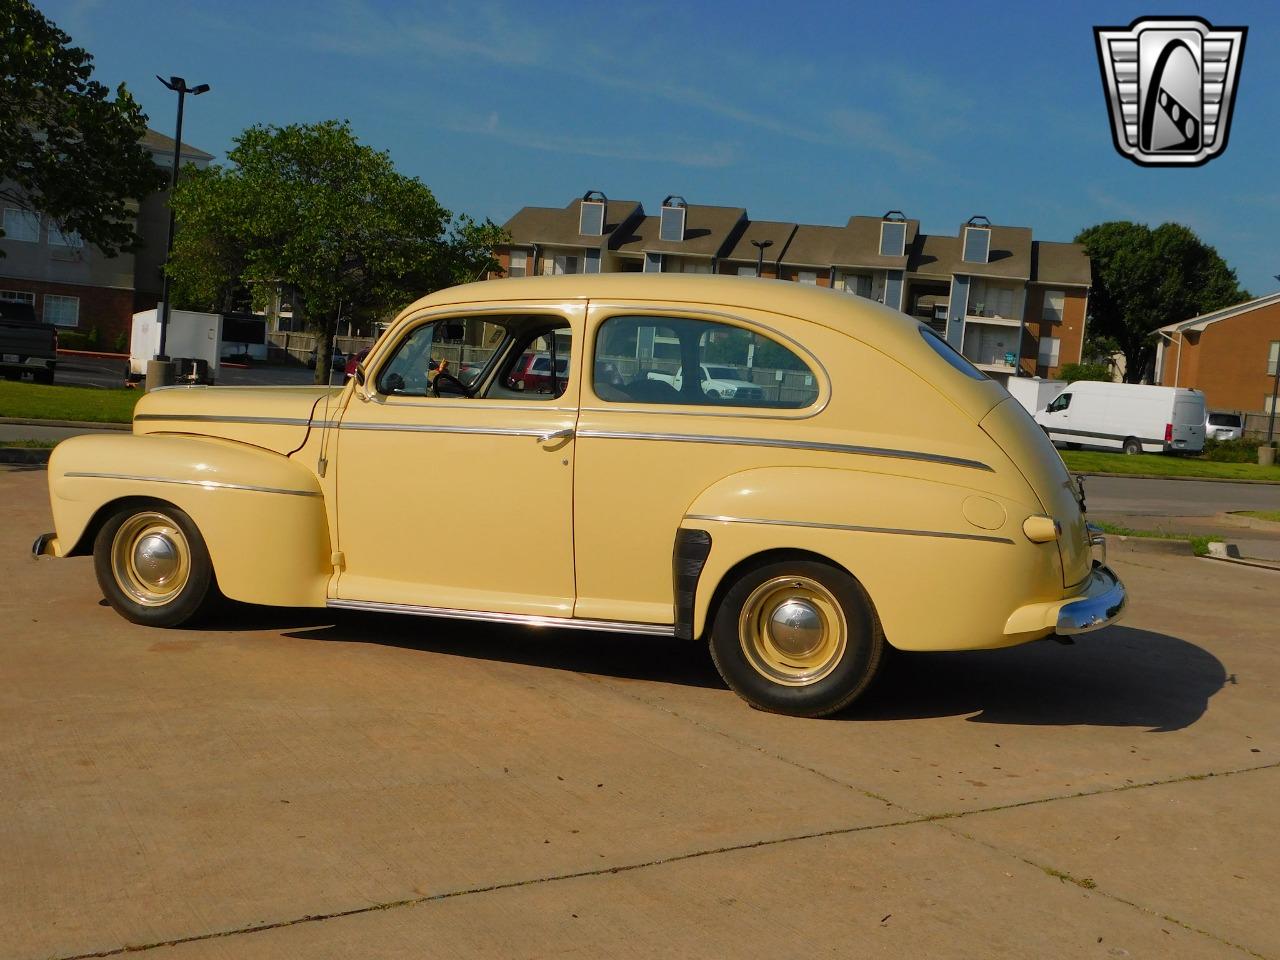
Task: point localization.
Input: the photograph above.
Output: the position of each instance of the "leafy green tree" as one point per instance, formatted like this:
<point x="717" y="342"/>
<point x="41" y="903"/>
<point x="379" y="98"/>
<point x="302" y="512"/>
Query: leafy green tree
<point x="309" y="207"/>
<point x="67" y="149"/>
<point x="1144" y="279"/>
<point x="1071" y="372"/>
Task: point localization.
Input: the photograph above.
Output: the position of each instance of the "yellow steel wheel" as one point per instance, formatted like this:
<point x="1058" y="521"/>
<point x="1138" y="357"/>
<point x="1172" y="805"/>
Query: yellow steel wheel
<point x="150" y="559"/>
<point x="792" y="630"/>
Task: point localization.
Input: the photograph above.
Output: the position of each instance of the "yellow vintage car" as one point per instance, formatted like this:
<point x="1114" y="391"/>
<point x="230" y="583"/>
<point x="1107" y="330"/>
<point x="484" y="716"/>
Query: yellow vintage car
<point x="543" y="451"/>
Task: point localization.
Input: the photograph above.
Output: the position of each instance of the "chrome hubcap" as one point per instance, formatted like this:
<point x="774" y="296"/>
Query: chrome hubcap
<point x="792" y="630"/>
<point x="150" y="559"/>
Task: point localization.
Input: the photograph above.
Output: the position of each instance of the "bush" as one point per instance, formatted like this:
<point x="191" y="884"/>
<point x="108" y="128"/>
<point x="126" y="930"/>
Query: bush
<point x="73" y="340"/>
<point x="1231" y="451"/>
<point x="121" y="343"/>
<point x="1071" y="372"/>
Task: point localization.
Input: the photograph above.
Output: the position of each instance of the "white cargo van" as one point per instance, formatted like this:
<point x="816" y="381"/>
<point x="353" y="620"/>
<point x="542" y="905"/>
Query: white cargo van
<point x="1132" y="417"/>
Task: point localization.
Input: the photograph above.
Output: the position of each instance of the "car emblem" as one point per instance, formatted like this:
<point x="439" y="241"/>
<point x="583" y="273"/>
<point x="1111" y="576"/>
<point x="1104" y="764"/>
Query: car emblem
<point x="1170" y="84"/>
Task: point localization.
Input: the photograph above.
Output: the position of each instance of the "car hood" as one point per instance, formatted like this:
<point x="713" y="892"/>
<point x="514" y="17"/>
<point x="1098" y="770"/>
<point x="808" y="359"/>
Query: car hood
<point x="274" y="418"/>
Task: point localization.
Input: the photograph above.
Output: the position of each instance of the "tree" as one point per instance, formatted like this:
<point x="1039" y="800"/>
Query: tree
<point x="310" y="207"/>
<point x="67" y="150"/>
<point x="1144" y="279"/>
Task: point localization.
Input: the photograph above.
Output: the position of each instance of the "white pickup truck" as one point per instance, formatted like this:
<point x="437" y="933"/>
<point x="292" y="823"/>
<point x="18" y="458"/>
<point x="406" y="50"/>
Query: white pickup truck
<point x="717" y="381"/>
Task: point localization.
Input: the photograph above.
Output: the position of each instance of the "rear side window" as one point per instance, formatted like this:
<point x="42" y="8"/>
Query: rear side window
<point x="1224" y="420"/>
<point x="673" y="360"/>
<point x="950" y="354"/>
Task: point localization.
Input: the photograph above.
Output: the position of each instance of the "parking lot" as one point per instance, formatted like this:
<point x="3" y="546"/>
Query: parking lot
<point x="290" y="783"/>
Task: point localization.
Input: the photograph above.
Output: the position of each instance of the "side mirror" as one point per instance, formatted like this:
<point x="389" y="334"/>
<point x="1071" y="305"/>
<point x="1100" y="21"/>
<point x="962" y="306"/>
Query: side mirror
<point x="518" y="386"/>
<point x="360" y="375"/>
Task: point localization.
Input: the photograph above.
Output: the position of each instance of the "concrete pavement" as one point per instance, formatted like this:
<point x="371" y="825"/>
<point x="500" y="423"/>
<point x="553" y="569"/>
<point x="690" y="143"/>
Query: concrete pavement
<point x="287" y="783"/>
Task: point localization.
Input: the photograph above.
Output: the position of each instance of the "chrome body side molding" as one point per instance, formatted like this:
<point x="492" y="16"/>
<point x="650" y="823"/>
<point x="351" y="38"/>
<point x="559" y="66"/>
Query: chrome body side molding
<point x="788" y="445"/>
<point x="215" y="418"/>
<point x="207" y="484"/>
<point x="896" y="531"/>
<point x="519" y="619"/>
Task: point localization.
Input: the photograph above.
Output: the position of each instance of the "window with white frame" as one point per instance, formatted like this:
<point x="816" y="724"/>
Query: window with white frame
<point x="18" y="296"/>
<point x="1054" y="301"/>
<point x="746" y="271"/>
<point x="691" y="265"/>
<point x="21" y="225"/>
<point x="977" y="244"/>
<point x="893" y="238"/>
<point x="808" y="276"/>
<point x="1049" y="351"/>
<point x="558" y="264"/>
<point x="63" y="238"/>
<point x="519" y="264"/>
<point x="987" y="299"/>
<point x="1267" y="403"/>
<point x="857" y="283"/>
<point x="61" y="311"/>
<point x="1273" y="357"/>
<point x="671" y="226"/>
<point x="591" y="262"/>
<point x="591" y="218"/>
<point x="653" y="263"/>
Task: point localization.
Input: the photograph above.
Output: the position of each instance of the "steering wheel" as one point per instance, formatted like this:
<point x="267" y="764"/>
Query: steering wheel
<point x="462" y="388"/>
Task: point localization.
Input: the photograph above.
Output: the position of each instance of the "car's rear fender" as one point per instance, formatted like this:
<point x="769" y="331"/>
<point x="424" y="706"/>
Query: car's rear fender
<point x="262" y="515"/>
<point x="944" y="564"/>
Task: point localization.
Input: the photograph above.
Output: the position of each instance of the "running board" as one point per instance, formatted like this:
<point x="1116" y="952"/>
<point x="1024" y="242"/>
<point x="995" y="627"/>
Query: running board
<point x="519" y="619"/>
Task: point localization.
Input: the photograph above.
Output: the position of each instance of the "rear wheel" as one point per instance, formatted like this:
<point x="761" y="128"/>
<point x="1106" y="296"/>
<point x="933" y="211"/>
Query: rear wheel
<point x="1132" y="446"/>
<point x="797" y="637"/>
<point x="43" y="376"/>
<point x="153" y="565"/>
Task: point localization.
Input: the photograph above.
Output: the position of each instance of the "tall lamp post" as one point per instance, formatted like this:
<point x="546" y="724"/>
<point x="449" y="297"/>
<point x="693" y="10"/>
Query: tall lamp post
<point x="1275" y="391"/>
<point x="760" y="247"/>
<point x="179" y="86"/>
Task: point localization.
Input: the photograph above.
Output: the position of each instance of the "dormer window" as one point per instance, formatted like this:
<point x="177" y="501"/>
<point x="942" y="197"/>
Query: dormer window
<point x="591" y="214"/>
<point x="893" y="234"/>
<point x="977" y="240"/>
<point x="673" y="215"/>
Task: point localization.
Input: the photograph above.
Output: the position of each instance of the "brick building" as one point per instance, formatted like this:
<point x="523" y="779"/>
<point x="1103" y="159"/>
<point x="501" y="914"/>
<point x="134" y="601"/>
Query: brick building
<point x="1012" y="304"/>
<point x="73" y="284"/>
<point x="1231" y="355"/>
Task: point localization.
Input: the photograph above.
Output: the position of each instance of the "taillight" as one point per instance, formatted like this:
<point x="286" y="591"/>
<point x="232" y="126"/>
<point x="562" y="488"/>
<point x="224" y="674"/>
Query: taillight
<point x="1168" y="433"/>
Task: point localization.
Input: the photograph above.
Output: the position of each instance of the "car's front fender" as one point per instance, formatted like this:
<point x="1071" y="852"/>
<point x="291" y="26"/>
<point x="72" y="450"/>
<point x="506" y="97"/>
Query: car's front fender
<point x="262" y="515"/>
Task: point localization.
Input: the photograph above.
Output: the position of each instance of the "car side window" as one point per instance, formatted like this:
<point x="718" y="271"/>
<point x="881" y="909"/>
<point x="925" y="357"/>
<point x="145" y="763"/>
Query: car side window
<point x="1060" y="402"/>
<point x="701" y="363"/>
<point x="530" y="374"/>
<point x="461" y="347"/>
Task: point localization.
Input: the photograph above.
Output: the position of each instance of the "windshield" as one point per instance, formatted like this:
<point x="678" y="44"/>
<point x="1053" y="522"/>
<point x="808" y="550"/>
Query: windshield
<point x="722" y="373"/>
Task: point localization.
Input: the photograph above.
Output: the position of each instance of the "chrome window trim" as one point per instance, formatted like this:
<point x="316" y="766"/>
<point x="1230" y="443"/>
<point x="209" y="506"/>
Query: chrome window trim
<point x="489" y="616"/>
<point x="479" y="403"/>
<point x="206" y="484"/>
<point x="897" y="531"/>
<point x="615" y="309"/>
<point x="788" y="444"/>
<point x="219" y="418"/>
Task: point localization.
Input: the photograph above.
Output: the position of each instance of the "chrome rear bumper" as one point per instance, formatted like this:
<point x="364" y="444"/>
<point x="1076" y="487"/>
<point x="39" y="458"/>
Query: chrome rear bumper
<point x="1103" y="603"/>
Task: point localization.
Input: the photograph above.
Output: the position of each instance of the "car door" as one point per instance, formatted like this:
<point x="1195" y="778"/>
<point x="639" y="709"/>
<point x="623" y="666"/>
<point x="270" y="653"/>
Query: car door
<point x="1056" y="417"/>
<point x="462" y="502"/>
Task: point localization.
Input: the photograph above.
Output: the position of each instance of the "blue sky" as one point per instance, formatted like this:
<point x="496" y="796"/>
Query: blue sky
<point x="799" y="112"/>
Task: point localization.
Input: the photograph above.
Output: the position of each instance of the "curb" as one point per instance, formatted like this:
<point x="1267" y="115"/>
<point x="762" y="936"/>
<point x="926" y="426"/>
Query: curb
<point x="94" y="353"/>
<point x="76" y="424"/>
<point x="1161" y="545"/>
<point x="1161" y="476"/>
<point x="28" y="456"/>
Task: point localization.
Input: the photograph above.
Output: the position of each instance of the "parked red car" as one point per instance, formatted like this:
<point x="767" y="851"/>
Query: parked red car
<point x="534" y="371"/>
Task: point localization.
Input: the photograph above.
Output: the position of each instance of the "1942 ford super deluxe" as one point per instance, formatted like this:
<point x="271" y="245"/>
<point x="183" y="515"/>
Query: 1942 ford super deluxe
<point x="861" y="485"/>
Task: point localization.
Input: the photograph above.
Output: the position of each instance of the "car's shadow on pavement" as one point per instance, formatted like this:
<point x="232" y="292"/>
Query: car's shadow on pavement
<point x="1117" y="677"/>
<point x="1120" y="676"/>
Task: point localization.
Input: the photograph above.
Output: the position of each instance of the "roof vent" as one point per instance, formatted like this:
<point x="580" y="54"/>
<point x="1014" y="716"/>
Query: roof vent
<point x="591" y="213"/>
<point x="673" y="217"/>
<point x="895" y="215"/>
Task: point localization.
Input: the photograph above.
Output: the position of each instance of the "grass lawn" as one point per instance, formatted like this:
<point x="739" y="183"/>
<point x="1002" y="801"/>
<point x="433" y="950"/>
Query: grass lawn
<point x="35" y="401"/>
<point x="1200" y="544"/>
<point x="31" y="444"/>
<point x="1156" y="464"/>
<point x="1272" y="515"/>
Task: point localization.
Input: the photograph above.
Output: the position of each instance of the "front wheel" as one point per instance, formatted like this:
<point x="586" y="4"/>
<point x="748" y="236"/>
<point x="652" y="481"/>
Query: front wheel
<point x="153" y="565"/>
<point x="1132" y="446"/>
<point x="797" y="637"/>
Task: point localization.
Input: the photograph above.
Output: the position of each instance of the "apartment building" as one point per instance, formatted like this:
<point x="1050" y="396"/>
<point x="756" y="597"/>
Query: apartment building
<point x="1232" y="355"/>
<point x="74" y="285"/>
<point x="1014" y="305"/>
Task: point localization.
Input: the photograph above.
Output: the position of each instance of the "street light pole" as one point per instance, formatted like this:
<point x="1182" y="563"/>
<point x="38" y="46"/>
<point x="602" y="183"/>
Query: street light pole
<point x="179" y="86"/>
<point x="760" y="246"/>
<point x="1275" y="391"/>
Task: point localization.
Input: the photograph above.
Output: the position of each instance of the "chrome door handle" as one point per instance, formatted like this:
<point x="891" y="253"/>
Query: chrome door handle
<point x="564" y="434"/>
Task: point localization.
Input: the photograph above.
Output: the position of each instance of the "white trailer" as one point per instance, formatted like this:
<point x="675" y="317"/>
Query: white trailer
<point x="191" y="336"/>
<point x="1033" y="392"/>
<point x="1132" y="417"/>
